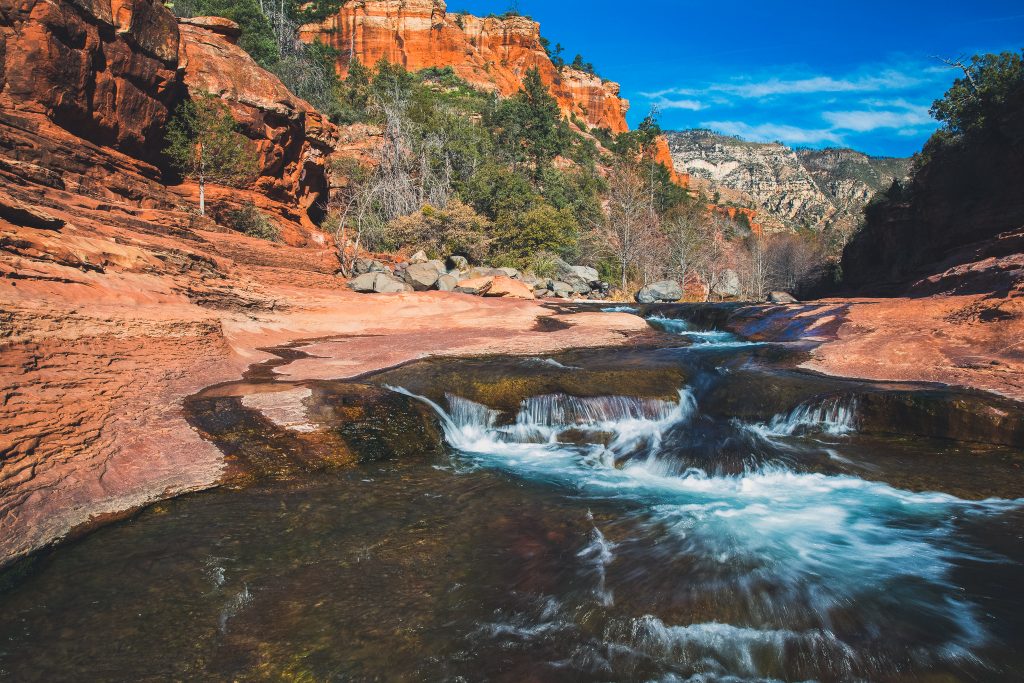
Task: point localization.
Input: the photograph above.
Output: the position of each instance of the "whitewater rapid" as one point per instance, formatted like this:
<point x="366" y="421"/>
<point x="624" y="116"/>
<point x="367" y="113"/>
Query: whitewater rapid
<point x="795" y="548"/>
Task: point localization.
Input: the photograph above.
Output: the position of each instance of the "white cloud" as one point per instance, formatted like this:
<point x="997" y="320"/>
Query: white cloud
<point x="887" y="80"/>
<point x="768" y="132"/>
<point x="665" y="103"/>
<point x="867" y="120"/>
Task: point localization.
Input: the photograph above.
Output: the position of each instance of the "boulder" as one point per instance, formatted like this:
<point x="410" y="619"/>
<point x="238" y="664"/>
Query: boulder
<point x="560" y="289"/>
<point x="438" y="266"/>
<point x="458" y="262"/>
<point x="484" y="272"/>
<point x="378" y="283"/>
<point x="579" y="285"/>
<point x="477" y="286"/>
<point x="509" y="272"/>
<point x="419" y="257"/>
<point x="587" y="274"/>
<point x="661" y="291"/>
<point x="361" y="266"/>
<point x="509" y="288"/>
<point x="422" y="276"/>
<point x="447" y="283"/>
<point x="728" y="285"/>
<point x="782" y="298"/>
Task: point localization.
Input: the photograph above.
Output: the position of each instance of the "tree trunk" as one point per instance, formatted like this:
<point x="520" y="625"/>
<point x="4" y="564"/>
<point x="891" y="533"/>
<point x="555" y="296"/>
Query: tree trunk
<point x="202" y="182"/>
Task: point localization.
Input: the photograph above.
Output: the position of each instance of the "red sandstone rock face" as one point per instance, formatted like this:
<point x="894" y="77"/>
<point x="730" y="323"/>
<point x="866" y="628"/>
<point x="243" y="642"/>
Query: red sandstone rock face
<point x="103" y="70"/>
<point x="293" y="138"/>
<point x="491" y="53"/>
<point x="109" y="73"/>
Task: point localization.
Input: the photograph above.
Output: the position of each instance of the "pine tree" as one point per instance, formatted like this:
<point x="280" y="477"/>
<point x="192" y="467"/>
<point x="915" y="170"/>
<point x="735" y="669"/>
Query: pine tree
<point x="531" y="124"/>
<point x="203" y="143"/>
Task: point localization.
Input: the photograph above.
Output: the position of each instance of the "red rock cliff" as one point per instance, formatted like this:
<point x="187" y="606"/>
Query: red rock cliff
<point x="87" y="87"/>
<point x="490" y="53"/>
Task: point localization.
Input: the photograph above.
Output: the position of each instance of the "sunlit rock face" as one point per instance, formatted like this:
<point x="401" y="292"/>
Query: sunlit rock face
<point x="791" y="188"/>
<point x="490" y="53"/>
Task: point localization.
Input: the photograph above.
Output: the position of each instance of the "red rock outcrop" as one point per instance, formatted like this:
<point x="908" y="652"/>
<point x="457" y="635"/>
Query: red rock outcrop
<point x="87" y="88"/>
<point x="104" y="71"/>
<point x="490" y="53"/>
<point x="292" y="137"/>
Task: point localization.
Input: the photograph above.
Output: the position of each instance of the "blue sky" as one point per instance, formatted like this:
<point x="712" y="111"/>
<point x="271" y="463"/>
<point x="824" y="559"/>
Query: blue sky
<point x="809" y="74"/>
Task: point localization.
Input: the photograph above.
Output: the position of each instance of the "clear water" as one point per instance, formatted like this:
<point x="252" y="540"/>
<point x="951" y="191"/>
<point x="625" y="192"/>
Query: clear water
<point x="586" y="523"/>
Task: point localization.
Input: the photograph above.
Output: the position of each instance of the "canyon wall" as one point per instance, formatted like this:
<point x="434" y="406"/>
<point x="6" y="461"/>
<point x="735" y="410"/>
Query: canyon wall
<point x="790" y="189"/>
<point x="87" y="88"/>
<point x="957" y="225"/>
<point x="490" y="53"/>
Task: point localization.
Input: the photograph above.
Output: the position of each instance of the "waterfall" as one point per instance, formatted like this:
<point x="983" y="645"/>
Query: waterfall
<point x="835" y="416"/>
<point x="616" y="426"/>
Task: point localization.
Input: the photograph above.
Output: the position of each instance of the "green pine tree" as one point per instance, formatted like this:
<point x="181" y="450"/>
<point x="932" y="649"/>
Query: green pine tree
<point x="204" y="144"/>
<point x="531" y="124"/>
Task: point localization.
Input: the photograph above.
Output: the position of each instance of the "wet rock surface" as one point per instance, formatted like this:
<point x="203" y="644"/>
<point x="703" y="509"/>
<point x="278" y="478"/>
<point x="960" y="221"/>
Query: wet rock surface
<point x="551" y="505"/>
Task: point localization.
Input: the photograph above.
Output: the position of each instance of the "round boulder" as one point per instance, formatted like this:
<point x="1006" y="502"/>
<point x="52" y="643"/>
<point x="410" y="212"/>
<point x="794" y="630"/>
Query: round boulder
<point x="662" y="291"/>
<point x="421" y="276"/>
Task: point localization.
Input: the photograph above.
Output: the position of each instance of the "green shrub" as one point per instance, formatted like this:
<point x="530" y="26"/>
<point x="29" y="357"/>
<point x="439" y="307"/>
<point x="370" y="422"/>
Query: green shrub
<point x="519" y="237"/>
<point x="456" y="229"/>
<point x="254" y="223"/>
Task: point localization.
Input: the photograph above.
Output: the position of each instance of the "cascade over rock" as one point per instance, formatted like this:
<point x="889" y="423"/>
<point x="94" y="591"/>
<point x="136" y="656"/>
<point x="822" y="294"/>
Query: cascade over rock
<point x="489" y="53"/>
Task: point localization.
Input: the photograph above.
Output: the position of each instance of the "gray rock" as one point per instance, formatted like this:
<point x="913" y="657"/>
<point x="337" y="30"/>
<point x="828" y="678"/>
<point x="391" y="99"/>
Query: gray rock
<point x="782" y="298"/>
<point x="479" y="288"/>
<point x="661" y="291"/>
<point x="562" y="290"/>
<point x="728" y="285"/>
<point x="579" y="284"/>
<point x="447" y="283"/>
<point x="419" y="257"/>
<point x="422" y="276"/>
<point x="484" y="272"/>
<point x="378" y="283"/>
<point x="587" y="274"/>
<point x="361" y="266"/>
<point x="458" y="262"/>
<point x="438" y="266"/>
<point x="509" y="272"/>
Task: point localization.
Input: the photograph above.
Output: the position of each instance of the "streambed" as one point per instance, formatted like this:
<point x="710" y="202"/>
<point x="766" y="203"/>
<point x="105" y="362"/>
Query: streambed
<point x="690" y="509"/>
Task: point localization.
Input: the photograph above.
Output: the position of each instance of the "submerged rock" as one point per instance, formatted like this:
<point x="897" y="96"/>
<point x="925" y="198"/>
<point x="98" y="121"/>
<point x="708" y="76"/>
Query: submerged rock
<point x="662" y="291"/>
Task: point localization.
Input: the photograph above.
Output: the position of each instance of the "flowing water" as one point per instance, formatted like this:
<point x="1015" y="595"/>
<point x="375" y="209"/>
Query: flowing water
<point x="693" y="509"/>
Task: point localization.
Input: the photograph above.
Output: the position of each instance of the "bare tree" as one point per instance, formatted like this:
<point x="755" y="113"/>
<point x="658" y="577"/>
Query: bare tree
<point x="684" y="233"/>
<point x="629" y="225"/>
<point x="757" y="267"/>
<point x="710" y="262"/>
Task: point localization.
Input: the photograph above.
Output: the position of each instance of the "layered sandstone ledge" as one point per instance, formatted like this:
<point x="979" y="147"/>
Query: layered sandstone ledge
<point x="97" y="359"/>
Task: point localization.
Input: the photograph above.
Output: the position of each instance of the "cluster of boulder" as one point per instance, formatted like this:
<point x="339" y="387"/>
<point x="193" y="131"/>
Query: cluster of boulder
<point x="669" y="291"/>
<point x="421" y="274"/>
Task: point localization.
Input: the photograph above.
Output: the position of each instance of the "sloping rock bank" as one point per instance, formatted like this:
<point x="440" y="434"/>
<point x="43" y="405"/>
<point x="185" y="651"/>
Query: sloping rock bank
<point x="974" y="341"/>
<point x="109" y="323"/>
